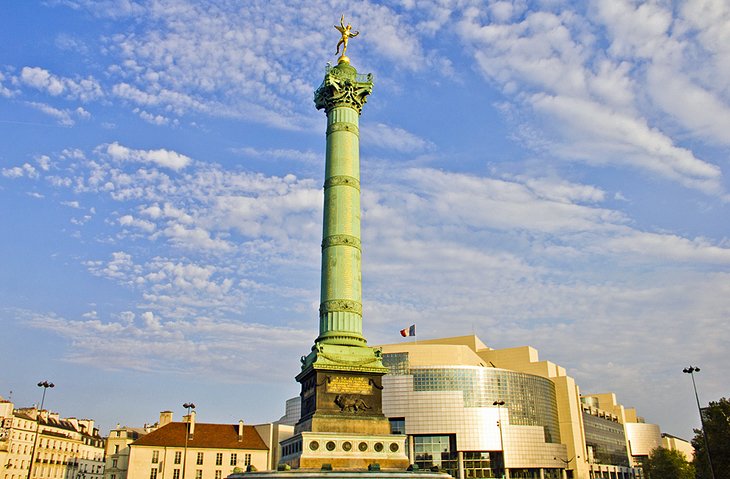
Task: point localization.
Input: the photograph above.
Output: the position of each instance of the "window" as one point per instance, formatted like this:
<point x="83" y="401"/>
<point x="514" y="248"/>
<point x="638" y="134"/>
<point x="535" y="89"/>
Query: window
<point x="178" y="457"/>
<point x="219" y="459"/>
<point x="199" y="461"/>
<point x="113" y="476"/>
<point x="176" y="474"/>
<point x="155" y="457"/>
<point x="398" y="425"/>
<point x="437" y="451"/>
<point x="234" y="459"/>
<point x="483" y="464"/>
<point x="116" y="449"/>
<point x="198" y="474"/>
<point x="247" y="459"/>
<point x="153" y="473"/>
<point x="114" y="463"/>
<point x="218" y="474"/>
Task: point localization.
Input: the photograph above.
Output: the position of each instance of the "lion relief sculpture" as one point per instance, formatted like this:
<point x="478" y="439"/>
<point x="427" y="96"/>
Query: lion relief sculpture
<point x="350" y="404"/>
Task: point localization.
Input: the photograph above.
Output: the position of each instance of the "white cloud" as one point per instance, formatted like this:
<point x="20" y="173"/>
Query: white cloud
<point x="44" y="162"/>
<point x="669" y="247"/>
<point x="4" y="91"/>
<point x="600" y="136"/>
<point x="120" y="267"/>
<point x="84" y="89"/>
<point x="26" y="170"/>
<point x="587" y="97"/>
<point x="62" y="116"/>
<point x="152" y="118"/>
<point x="165" y="345"/>
<point x="165" y="158"/>
<point x="129" y="220"/>
<point x="309" y="157"/>
<point x="195" y="238"/>
<point x="393" y="138"/>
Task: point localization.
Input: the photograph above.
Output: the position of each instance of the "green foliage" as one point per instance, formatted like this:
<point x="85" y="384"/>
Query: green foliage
<point x="716" y="417"/>
<point x="667" y="463"/>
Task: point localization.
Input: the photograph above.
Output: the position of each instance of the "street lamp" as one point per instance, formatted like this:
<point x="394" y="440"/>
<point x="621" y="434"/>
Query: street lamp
<point x="567" y="463"/>
<point x="691" y="371"/>
<point x="499" y="403"/>
<point x="45" y="385"/>
<point x="188" y="406"/>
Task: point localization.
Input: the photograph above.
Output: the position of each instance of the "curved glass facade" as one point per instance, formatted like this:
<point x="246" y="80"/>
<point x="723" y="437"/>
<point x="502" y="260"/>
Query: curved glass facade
<point x="530" y="399"/>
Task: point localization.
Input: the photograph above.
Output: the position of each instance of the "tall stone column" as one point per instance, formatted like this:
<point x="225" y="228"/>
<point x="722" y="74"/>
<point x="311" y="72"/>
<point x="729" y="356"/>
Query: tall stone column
<point x="340" y="363"/>
<point x="342" y="95"/>
<point x="342" y="424"/>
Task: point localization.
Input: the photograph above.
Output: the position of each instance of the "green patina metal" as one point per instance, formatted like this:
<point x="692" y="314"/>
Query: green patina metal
<point x="340" y="344"/>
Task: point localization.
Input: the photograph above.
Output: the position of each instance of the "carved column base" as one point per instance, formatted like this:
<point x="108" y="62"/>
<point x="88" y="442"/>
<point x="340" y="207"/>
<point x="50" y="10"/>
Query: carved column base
<point x="310" y="450"/>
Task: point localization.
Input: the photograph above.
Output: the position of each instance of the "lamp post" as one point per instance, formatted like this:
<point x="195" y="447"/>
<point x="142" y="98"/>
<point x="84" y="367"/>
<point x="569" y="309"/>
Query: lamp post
<point x="566" y="462"/>
<point x="188" y="406"/>
<point x="691" y="370"/>
<point x="45" y="385"/>
<point x="499" y="404"/>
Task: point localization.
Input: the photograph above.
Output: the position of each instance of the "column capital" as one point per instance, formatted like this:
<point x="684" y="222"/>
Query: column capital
<point x="343" y="87"/>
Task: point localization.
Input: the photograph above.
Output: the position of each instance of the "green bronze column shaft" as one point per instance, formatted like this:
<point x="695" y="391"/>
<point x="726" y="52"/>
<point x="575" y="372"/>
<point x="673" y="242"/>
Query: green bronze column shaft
<point x="342" y="96"/>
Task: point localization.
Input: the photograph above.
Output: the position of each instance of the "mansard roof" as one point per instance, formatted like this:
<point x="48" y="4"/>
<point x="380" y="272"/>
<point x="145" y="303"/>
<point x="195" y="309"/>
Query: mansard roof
<point x="217" y="436"/>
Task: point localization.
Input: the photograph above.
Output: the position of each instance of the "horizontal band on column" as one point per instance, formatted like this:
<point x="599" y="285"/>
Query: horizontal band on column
<point x="340" y="305"/>
<point x="337" y="240"/>
<point x="342" y="180"/>
<point x="343" y="126"/>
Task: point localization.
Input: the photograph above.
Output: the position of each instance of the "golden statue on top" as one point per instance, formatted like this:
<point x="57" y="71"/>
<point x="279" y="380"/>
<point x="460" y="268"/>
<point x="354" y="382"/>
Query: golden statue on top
<point x="346" y="32"/>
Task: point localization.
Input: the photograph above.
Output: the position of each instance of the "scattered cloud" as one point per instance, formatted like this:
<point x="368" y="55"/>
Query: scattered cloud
<point x="394" y="139"/>
<point x="184" y="346"/>
<point x="587" y="97"/>
<point x="164" y="158"/>
<point x="26" y="170"/>
<point x="83" y="89"/>
<point x="63" y="117"/>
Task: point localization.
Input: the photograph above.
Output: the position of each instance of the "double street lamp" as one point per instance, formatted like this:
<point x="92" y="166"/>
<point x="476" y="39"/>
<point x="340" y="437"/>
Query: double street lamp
<point x="499" y="403"/>
<point x="189" y="406"/>
<point x="45" y="385"/>
<point x="691" y="371"/>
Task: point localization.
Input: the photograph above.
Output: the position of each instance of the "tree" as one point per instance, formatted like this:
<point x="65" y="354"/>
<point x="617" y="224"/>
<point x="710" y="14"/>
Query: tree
<point x="667" y="463"/>
<point x="716" y="418"/>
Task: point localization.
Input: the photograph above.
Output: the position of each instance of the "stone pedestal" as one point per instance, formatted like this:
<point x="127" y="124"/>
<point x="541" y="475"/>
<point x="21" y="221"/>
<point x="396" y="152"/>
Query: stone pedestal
<point x="342" y="422"/>
<point x="343" y="452"/>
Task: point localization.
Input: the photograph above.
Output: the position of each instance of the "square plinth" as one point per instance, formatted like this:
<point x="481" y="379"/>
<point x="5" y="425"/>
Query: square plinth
<point x="310" y="450"/>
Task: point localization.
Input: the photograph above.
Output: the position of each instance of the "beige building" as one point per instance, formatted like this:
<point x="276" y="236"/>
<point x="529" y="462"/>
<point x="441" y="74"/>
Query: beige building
<point x="192" y="450"/>
<point x="65" y="448"/>
<point x="117" y="449"/>
<point x="482" y="412"/>
<point x="643" y="438"/>
<point x="677" y="444"/>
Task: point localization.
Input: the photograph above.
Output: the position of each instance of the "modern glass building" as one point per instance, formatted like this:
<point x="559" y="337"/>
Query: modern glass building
<point x="479" y="412"/>
<point x="475" y="420"/>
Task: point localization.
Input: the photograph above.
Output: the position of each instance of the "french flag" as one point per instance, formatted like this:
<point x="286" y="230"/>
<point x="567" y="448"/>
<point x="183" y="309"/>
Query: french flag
<point x="409" y="331"/>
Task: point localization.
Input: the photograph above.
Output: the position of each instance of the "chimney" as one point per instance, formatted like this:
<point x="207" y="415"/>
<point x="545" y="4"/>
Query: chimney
<point x="165" y="418"/>
<point x="190" y="419"/>
<point x="74" y="422"/>
<point x="87" y="426"/>
<point x="240" y="430"/>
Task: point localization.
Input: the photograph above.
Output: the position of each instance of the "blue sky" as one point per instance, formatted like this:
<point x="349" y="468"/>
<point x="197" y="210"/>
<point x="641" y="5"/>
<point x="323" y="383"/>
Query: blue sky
<point x="550" y="173"/>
